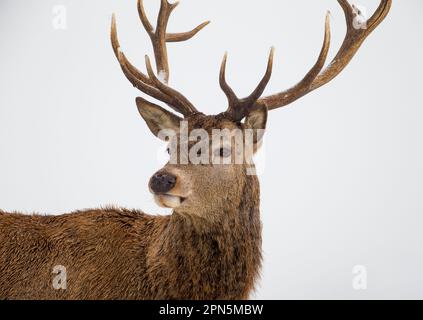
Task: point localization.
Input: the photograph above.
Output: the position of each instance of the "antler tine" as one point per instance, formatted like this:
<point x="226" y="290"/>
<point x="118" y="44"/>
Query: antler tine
<point x="177" y="99"/>
<point x="143" y="87"/>
<point x="316" y="78"/>
<point x="117" y="49"/>
<point x="144" y="19"/>
<point x="160" y="37"/>
<point x="264" y="81"/>
<point x="239" y="108"/>
<point x="379" y="15"/>
<point x="184" y="36"/>
<point x="229" y="92"/>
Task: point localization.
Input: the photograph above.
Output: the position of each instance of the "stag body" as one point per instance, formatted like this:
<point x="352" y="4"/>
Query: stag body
<point x="210" y="247"/>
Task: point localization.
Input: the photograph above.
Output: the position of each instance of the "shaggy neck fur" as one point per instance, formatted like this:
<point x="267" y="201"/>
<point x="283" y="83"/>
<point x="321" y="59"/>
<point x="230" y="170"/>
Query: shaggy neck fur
<point x="211" y="260"/>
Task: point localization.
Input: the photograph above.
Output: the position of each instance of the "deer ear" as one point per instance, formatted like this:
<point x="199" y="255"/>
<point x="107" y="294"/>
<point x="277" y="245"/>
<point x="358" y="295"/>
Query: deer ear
<point x="256" y="120"/>
<point x="160" y="121"/>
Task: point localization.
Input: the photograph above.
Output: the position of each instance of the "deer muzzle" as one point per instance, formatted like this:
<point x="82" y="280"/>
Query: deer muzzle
<point x="162" y="182"/>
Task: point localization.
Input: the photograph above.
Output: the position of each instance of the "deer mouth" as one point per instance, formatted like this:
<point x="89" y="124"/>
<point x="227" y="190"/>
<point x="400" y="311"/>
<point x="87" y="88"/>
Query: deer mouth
<point x="168" y="200"/>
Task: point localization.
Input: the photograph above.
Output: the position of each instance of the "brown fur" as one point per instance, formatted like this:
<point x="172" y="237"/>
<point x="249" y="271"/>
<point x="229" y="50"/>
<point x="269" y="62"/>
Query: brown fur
<point x="206" y="250"/>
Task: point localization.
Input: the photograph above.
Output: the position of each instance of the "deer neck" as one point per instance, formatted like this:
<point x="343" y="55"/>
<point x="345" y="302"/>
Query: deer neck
<point x="225" y="251"/>
<point x="239" y="212"/>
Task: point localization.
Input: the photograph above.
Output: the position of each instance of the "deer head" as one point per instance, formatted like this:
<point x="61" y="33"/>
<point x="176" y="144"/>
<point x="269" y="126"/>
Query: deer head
<point x="192" y="187"/>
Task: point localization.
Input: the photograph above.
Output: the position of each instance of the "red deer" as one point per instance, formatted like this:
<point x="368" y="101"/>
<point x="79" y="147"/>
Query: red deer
<point x="210" y="246"/>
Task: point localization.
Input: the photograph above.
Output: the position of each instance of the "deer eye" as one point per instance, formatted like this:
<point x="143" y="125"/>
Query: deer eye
<point x="168" y="150"/>
<point x="223" y="152"/>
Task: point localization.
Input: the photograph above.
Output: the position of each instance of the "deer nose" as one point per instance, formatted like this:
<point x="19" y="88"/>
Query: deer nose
<point x="162" y="182"/>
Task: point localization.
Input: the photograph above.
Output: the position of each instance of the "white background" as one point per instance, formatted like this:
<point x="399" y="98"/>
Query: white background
<point x="342" y="184"/>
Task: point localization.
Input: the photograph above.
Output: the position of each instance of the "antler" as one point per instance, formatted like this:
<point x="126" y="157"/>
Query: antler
<point x="315" y="78"/>
<point x="152" y="85"/>
<point x="156" y="85"/>
<point x="239" y="107"/>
